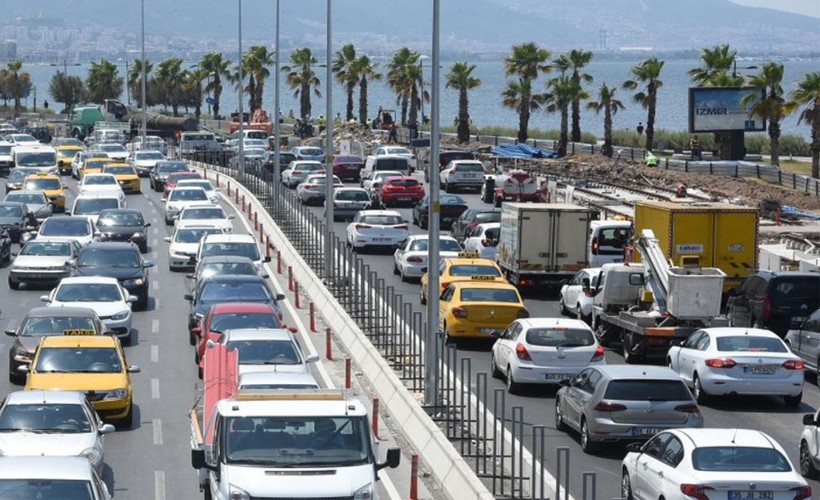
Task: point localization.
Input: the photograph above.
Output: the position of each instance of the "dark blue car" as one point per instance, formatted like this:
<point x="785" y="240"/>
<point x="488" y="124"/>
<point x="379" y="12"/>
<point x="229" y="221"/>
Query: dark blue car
<point x="223" y="288"/>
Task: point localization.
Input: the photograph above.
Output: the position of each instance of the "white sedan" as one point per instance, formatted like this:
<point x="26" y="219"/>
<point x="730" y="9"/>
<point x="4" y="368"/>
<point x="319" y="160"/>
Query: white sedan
<point x="377" y="228"/>
<point x="205" y="184"/>
<point x="184" y="244"/>
<point x="742" y="361"/>
<point x="314" y="188"/>
<point x="543" y="351"/>
<point x="411" y="256"/>
<point x="206" y="215"/>
<point x="740" y="464"/>
<point x="572" y="300"/>
<point x="483" y="240"/>
<point x="179" y="198"/>
<point x="105" y="296"/>
<point x="100" y="185"/>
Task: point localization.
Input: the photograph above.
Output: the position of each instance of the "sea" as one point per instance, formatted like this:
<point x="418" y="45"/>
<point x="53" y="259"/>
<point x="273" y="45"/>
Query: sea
<point x="486" y="107"/>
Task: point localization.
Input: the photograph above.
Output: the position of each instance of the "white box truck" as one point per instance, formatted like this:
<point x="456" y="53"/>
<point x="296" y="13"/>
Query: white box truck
<point x="543" y="243"/>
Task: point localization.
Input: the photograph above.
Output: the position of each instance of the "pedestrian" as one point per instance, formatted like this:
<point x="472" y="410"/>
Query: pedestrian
<point x="694" y="146"/>
<point x="45" y="104"/>
<point x="639" y="128"/>
<point x="681" y="192"/>
<point x="392" y="135"/>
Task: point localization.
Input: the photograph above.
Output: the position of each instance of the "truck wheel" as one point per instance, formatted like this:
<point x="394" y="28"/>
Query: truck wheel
<point x="629" y="357"/>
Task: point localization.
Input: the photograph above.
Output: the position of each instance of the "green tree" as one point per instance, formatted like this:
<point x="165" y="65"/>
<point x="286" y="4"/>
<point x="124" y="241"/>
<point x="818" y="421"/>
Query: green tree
<point x="562" y="91"/>
<point x="103" y="82"/>
<point x="717" y="68"/>
<point x="192" y="89"/>
<point x="258" y="60"/>
<point x="216" y="67"/>
<point x="344" y="68"/>
<point x="135" y="80"/>
<point x="807" y="94"/>
<point x="610" y="105"/>
<point x="772" y="106"/>
<point x="647" y="74"/>
<point x="302" y="79"/>
<point x="525" y="62"/>
<point x="402" y="80"/>
<point x="574" y="62"/>
<point x="366" y="69"/>
<point x="461" y="79"/>
<point x="169" y="80"/>
<point x="66" y="89"/>
<point x="15" y="83"/>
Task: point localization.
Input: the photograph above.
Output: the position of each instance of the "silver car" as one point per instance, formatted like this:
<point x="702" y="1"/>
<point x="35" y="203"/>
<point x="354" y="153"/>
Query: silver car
<point x="804" y="340"/>
<point x="347" y="202"/>
<point x="52" y="423"/>
<point x="624" y="403"/>
<point x="51" y="477"/>
<point x="42" y="261"/>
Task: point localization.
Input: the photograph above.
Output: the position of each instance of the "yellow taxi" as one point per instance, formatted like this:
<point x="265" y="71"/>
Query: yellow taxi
<point x="466" y="267"/>
<point x="94" y="166"/>
<point x="92" y="364"/>
<point x="126" y="176"/>
<point x="65" y="155"/>
<point x="475" y="309"/>
<point x="51" y="185"/>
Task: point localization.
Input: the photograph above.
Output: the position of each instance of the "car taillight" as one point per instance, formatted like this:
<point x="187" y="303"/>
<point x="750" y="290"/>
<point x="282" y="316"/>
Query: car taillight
<point x="721" y="363"/>
<point x="414" y="259"/>
<point x="445" y="284"/>
<point x="609" y="406"/>
<point x="401" y="226"/>
<point x="486" y="243"/>
<point x="523" y="313"/>
<point x="595" y="246"/>
<point x="297" y="172"/>
<point x="767" y="306"/>
<point x="522" y="353"/>
<point x="459" y="312"/>
<point x="599" y="354"/>
<point x="793" y="364"/>
<point x="688" y="408"/>
<point x="697" y="491"/>
<point x="363" y="226"/>
<point x="802" y="492"/>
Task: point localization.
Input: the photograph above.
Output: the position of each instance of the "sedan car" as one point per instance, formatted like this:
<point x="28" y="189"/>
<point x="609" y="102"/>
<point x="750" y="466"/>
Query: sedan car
<point x="410" y="259"/>
<point x="100" y="185"/>
<point x="39" y="477"/>
<point x="308" y="153"/>
<point x="377" y="229"/>
<point x="175" y="177"/>
<point x="126" y="176"/>
<point x="122" y="224"/>
<point x="65" y="228"/>
<point x="52" y="423"/>
<point x="36" y="201"/>
<point x="206" y="215"/>
<point x="145" y="161"/>
<point x="92" y="206"/>
<point x="159" y="174"/>
<point x="220" y="289"/>
<point x="120" y="260"/>
<point x="404" y="190"/>
<point x="451" y="208"/>
<point x="348" y="167"/>
<point x="116" y="152"/>
<point x="297" y="171"/>
<point x="51" y="185"/>
<point x="265" y="350"/>
<point x="17" y="176"/>
<point x="205" y="184"/>
<point x="710" y="463"/>
<point x="314" y="188"/>
<point x="572" y="300"/>
<point x="463" y="267"/>
<point x="614" y="403"/>
<point x="42" y="261"/>
<point x="15" y="217"/>
<point x="179" y="198"/>
<point x="104" y="295"/>
<point x="743" y="361"/>
<point x="484" y="240"/>
<point x="231" y="316"/>
<point x="184" y="244"/>
<point x="220" y="265"/>
<point x="347" y="201"/>
<point x="478" y="308"/>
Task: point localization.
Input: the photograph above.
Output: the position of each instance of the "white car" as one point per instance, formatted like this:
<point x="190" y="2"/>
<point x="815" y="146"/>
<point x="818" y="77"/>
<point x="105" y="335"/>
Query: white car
<point x="266" y="350"/>
<point x="105" y="296"/>
<point x="543" y="351"/>
<point x="205" y="184"/>
<point x="706" y="463"/>
<point x="231" y="245"/>
<point x="298" y="171"/>
<point x="462" y="174"/>
<point x="483" y="240"/>
<point x="42" y="261"/>
<point x="145" y="161"/>
<point x="375" y="181"/>
<point x="52" y="423"/>
<point x="206" y="215"/>
<point x="397" y="151"/>
<point x="92" y="205"/>
<point x="67" y="228"/>
<point x="184" y="244"/>
<point x="377" y="228"/>
<point x="273" y="380"/>
<point x="742" y="361"/>
<point x="116" y="152"/>
<point x="100" y="184"/>
<point x="572" y="300"/>
<point x="79" y="160"/>
<point x="179" y="198"/>
<point x="411" y="256"/>
<point x="314" y="187"/>
<point x="36" y="477"/>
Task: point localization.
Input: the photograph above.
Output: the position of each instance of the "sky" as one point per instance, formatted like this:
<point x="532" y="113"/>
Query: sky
<point x="805" y="7"/>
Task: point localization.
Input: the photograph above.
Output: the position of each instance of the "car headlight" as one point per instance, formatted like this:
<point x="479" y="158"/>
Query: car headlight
<point x="55" y="268"/>
<point x="135" y="281"/>
<point x="21" y="355"/>
<point x="139" y="235"/>
<point x="364" y="493"/>
<point x="117" y="394"/>
<point x="237" y="493"/>
<point x="92" y="454"/>
<point x="120" y="315"/>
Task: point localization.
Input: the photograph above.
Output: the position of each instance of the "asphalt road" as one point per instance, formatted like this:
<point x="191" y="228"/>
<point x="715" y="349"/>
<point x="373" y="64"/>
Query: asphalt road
<point x="768" y="414"/>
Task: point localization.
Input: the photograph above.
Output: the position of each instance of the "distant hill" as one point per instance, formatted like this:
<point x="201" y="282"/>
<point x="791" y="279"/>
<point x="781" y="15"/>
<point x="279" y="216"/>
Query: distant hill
<point x="467" y="25"/>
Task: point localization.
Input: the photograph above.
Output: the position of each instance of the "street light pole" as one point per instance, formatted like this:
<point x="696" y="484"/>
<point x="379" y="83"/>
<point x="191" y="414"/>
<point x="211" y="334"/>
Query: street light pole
<point x="241" y="150"/>
<point x="127" y="87"/>
<point x="276" y="126"/>
<point x="142" y="84"/>
<point x="329" y="153"/>
<point x="422" y="58"/>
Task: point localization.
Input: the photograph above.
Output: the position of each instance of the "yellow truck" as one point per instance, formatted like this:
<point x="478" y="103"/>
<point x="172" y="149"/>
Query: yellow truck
<point x="706" y="234"/>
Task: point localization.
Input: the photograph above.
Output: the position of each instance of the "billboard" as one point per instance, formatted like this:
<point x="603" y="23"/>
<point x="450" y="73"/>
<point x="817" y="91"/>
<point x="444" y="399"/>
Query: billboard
<point x="719" y="109"/>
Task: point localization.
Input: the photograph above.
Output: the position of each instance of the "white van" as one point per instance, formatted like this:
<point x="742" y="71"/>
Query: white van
<point x="385" y="162"/>
<point x="43" y="158"/>
<point x="607" y="241"/>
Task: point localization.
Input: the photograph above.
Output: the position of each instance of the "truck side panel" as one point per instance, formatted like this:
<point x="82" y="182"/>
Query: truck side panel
<point x="508" y="238"/>
<point x="569" y="249"/>
<point x="735" y="246"/>
<point x="692" y="234"/>
<point x="537" y="232"/>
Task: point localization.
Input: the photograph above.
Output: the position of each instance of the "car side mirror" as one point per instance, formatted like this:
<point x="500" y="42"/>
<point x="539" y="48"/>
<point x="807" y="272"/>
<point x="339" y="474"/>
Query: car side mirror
<point x="809" y="419"/>
<point x="313" y="358"/>
<point x="634" y="447"/>
<point x="134" y="369"/>
<point x="147" y="224"/>
<point x="676" y="343"/>
<point x="44" y="298"/>
<point x="148" y="263"/>
<point x="190" y="276"/>
<point x="198" y="461"/>
<point x="496" y="334"/>
<point x="393" y="459"/>
<point x="188" y="297"/>
<point x="280" y="296"/>
<point x="11" y="333"/>
<point x="266" y="259"/>
<point x="131" y="299"/>
<point x="585" y="285"/>
<point x="106" y="429"/>
<point x="564" y="382"/>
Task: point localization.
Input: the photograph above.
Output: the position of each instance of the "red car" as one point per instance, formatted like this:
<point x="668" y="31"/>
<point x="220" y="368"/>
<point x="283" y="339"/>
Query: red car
<point x="348" y="167"/>
<point x="229" y="316"/>
<point x="175" y="177"/>
<point x="401" y="190"/>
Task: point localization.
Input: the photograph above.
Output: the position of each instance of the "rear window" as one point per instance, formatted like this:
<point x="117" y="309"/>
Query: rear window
<point x="739" y="459"/>
<point x="488" y="295"/>
<point x="481" y="218"/>
<point x="563" y="337"/>
<point x="784" y="290"/>
<point x="742" y="343"/>
<point x="197" y="137"/>
<point x="647" y="390"/>
<point x="352" y="196"/>
<point x="474" y="270"/>
<point x="383" y="220"/>
<point x="614" y="237"/>
<point x="492" y="233"/>
<point x="469" y="167"/>
<point x="404" y="182"/>
<point x="390" y="164"/>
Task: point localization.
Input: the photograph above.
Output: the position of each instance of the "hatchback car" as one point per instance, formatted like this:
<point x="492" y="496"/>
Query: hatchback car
<point x="472" y="217"/>
<point x="43" y="262"/>
<point x="122" y="224"/>
<point x="314" y="188"/>
<point x="120" y="260"/>
<point x="614" y="403"/>
<point x="160" y="172"/>
<point x="205" y="214"/>
<point x="15" y="217"/>
<point x="298" y="170"/>
<point x="51" y="478"/>
<point x="377" y="229"/>
<point x="347" y="201"/>
<point x="483" y="240"/>
<point x="775" y="301"/>
<point x="65" y="228"/>
<point x="265" y="350"/>
<point x="410" y="259"/>
<point x="184" y="244"/>
<point x="405" y="190"/>
<point x="462" y="174"/>
<point x="223" y="289"/>
<point x="36" y="201"/>
<point x="572" y="301"/>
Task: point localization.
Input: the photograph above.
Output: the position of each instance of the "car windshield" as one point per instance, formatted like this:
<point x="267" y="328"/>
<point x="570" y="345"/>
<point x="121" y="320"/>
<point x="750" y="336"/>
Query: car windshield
<point x="178" y="176"/>
<point x="46" y="489"/>
<point x="99" y="180"/>
<point x="397" y="151"/>
<point x="382" y="220"/>
<point x="78" y="360"/>
<point x="352" y="196"/>
<point x="19" y="175"/>
<point x="483" y="217"/>
<point x="111" y="148"/>
<point x="194" y="234"/>
<point x="203" y="213"/>
<point x="792" y="290"/>
<point x="48" y="326"/>
<point x="27" y="198"/>
<point x="10" y="211"/>
<point x="188" y="195"/>
<point x="403" y="182"/>
<point x="167" y="168"/>
<point x="249" y="250"/>
<point x="232" y="321"/>
<point x="44" y="418"/>
<point x="65" y="226"/>
<point x="39" y="159"/>
<point x="121" y="219"/>
<point x="489" y="295"/>
<point x="227" y="268"/>
<point x="469" y="167"/>
<point x="148" y="155"/>
<point x="107" y="257"/>
<point x="46" y="248"/>
<point x="311" y="152"/>
<point x="88" y="292"/>
<point x="450" y="199"/>
<point x="96" y="164"/>
<point x="748" y="343"/>
<point x="647" y="390"/>
<point x="206" y="185"/>
<point x="42" y="184"/>
<point x="235" y="292"/>
<point x="559" y="337"/>
<point x="92" y="206"/>
<point x="474" y="270"/>
<point x="265" y="352"/>
<point x="297" y="441"/>
<point x="739" y="459"/>
<point x="120" y="170"/>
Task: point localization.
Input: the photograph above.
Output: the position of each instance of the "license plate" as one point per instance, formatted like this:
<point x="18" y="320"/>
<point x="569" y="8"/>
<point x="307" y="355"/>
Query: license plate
<point x="750" y="495"/>
<point x="381" y="239"/>
<point x="558" y="376"/>
<point x="404" y="199"/>
<point x="487" y="330"/>
<point x="644" y="431"/>
<point x="760" y="369"/>
<point x="468" y="176"/>
<point x="447" y="219"/>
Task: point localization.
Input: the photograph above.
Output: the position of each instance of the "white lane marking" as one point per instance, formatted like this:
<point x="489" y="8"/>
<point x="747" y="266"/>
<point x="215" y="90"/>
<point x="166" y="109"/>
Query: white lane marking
<point x="156" y="231"/>
<point x="155" y="326"/>
<point x="159" y="485"/>
<point x="156" y="303"/>
<point x="155" y="285"/>
<point x="157" y="425"/>
<point x="155" y="255"/>
<point x="154" y="388"/>
<point x="155" y="354"/>
<point x="156" y="219"/>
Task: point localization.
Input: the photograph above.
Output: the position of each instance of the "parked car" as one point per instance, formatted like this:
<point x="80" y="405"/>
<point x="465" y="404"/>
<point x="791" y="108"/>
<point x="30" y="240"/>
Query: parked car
<point x="572" y="301"/>
<point x="120" y="260"/>
<point x="484" y="240"/>
<point x="775" y="301"/>
<point x="410" y="258"/>
<point x="377" y="229"/>
<point x="347" y="201"/>
<point x="452" y="207"/>
<point x="470" y="218"/>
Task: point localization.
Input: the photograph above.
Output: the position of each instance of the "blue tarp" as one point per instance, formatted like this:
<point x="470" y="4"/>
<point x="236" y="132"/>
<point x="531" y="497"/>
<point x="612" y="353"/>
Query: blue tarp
<point x="521" y="150"/>
<point x="789" y="210"/>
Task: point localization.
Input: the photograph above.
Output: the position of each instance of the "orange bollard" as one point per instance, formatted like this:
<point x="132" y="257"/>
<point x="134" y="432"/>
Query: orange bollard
<point x="268" y="249"/>
<point x="290" y="278"/>
<point x="298" y="303"/>
<point x="414" y="476"/>
<point x="255" y="220"/>
<point x="778" y="216"/>
<point x="312" y="317"/>
<point x="217" y="180"/>
<point x="236" y="196"/>
<point x="278" y="262"/>
<point x="376" y="418"/>
<point x="328" y="344"/>
<point x="262" y="233"/>
<point x="348" y="375"/>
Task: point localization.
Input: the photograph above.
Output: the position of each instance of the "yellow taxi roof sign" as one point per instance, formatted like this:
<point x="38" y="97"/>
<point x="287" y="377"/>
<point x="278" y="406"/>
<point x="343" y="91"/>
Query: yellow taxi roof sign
<point x="483" y="277"/>
<point x="78" y="332"/>
<point x="469" y="255"/>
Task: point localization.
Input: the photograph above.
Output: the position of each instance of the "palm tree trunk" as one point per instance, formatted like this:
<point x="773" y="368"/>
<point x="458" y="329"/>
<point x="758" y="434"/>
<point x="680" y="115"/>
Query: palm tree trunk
<point x="523" y="118"/>
<point x="251" y="94"/>
<point x="815" y="144"/>
<point x="404" y="104"/>
<point x="363" y="100"/>
<point x="217" y="95"/>
<point x="349" y="114"/>
<point x="16" y="106"/>
<point x="413" y="113"/>
<point x="774" y="141"/>
<point x="607" y="148"/>
<point x="650" y="121"/>
<point x="304" y="102"/>
<point x="463" y="117"/>
<point x="562" y="141"/>
<point x="576" y="120"/>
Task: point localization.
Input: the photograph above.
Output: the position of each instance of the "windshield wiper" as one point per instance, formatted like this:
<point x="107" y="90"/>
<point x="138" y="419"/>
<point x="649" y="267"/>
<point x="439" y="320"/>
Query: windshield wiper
<point x="571" y="344"/>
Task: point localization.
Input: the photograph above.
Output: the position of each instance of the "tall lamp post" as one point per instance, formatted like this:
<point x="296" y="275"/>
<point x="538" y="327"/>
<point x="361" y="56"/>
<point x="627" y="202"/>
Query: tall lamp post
<point x="276" y="126"/>
<point x="241" y="149"/>
<point x="142" y="84"/>
<point x="422" y="58"/>
<point x="329" y="152"/>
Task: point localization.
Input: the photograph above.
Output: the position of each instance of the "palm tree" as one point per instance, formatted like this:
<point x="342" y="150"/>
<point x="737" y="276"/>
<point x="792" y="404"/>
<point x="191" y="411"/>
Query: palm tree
<point x="66" y="89"/>
<point x="610" y="105"/>
<point x="344" y="67"/>
<point x="258" y="59"/>
<point x="366" y="69"/>
<point x="573" y="62"/>
<point x="170" y="80"/>
<point x="301" y="77"/>
<point x="461" y="79"/>
<point x="135" y="79"/>
<point x="526" y="62"/>
<point x="192" y="89"/>
<point x="103" y="82"/>
<point x="15" y="83"/>
<point x="715" y="72"/>
<point x="562" y="91"/>
<point x="807" y="94"/>
<point x="400" y="81"/>
<point x="216" y="68"/>
<point x="772" y="106"/>
<point x="647" y="73"/>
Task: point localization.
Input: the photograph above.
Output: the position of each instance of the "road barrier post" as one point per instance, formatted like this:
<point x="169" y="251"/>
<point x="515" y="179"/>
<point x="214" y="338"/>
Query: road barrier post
<point x="261" y="232"/>
<point x="347" y="372"/>
<point x="279" y="262"/>
<point x="268" y="246"/>
<point x="414" y="476"/>
<point x="312" y="317"/>
<point x="297" y="304"/>
<point x="290" y="277"/>
<point x="328" y="344"/>
<point x="376" y="418"/>
<point x="255" y="219"/>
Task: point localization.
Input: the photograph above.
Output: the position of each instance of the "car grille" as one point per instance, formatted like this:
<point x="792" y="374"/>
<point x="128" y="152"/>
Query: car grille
<point x="118" y="236"/>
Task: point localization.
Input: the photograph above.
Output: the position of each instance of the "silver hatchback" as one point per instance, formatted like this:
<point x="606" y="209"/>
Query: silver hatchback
<point x="624" y="403"/>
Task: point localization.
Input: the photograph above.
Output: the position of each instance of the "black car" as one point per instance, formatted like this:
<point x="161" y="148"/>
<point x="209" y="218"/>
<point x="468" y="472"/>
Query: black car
<point x="452" y="207"/>
<point x="16" y="218"/>
<point x="775" y="301"/>
<point x="222" y="265"/>
<point x="472" y="217"/>
<point x="47" y="322"/>
<point x="116" y="260"/>
<point x="123" y="224"/>
<point x="226" y="288"/>
<point x="285" y="157"/>
<point x="159" y="174"/>
<point x="43" y="134"/>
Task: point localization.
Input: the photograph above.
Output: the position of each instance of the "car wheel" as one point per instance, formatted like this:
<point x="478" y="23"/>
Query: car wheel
<point x="512" y="386"/>
<point x="422" y="298"/>
<point x="396" y="269"/>
<point x="559" y="417"/>
<point x="498" y="203"/>
<point x="402" y="276"/>
<point x="700" y="395"/>
<point x="626" y="486"/>
<point x="126" y="341"/>
<point x="807" y="468"/>
<point x="496" y="373"/>
<point x="17" y="379"/>
<point x="143" y="248"/>
<point x="563" y="307"/>
<point x="447" y="188"/>
<point x="587" y="444"/>
<point x="793" y="401"/>
<point x="142" y="303"/>
<point x="423" y="223"/>
<point x="14" y="285"/>
<point x="586" y="318"/>
<point x="128" y="420"/>
<point x="191" y="337"/>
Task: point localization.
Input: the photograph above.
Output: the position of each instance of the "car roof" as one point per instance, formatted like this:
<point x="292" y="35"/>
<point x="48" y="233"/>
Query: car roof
<point x="729" y="331"/>
<point x="277" y="377"/>
<point x="229" y="238"/>
<point x="226" y="278"/>
<point x="239" y="307"/>
<point x="379" y="212"/>
<point x="234" y="259"/>
<point x="466" y="261"/>
<point x="417" y="237"/>
<point x="45" y="467"/>
<point x="26" y="191"/>
<point x="553" y="322"/>
<point x="489" y="225"/>
<point x="638" y="372"/>
<point x="63" y="341"/>
<point x="120" y="211"/>
<point x="89" y="280"/>
<point x="72" y="311"/>
<point x="44" y="397"/>
<point x="496" y="285"/>
<point x="347" y="188"/>
<point x="708" y="437"/>
<point x="258" y="334"/>
<point x="90" y="176"/>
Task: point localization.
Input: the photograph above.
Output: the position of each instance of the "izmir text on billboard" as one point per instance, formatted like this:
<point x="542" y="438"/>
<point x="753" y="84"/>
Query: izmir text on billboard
<point x="719" y="109"/>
